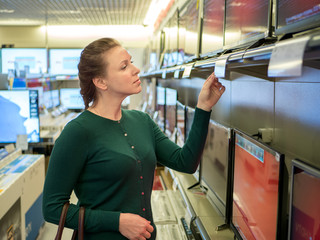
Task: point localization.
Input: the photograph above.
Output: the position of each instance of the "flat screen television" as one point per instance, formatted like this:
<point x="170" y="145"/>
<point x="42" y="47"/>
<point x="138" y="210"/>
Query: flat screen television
<point x="19" y="115"/>
<point x="296" y="16"/>
<point x="212" y="27"/>
<point x="64" y="61"/>
<point x="304" y="208"/>
<point x="32" y="60"/>
<point x="181" y="129"/>
<point x="173" y="39"/>
<point x="259" y="190"/>
<point x="71" y="98"/>
<point x="216" y="167"/>
<point x="160" y="107"/>
<point x="171" y="113"/>
<point x="55" y="97"/>
<point x="189" y="32"/>
<point x="246" y="21"/>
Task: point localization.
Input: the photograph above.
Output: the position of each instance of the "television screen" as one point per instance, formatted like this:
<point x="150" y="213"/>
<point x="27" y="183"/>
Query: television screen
<point x="173" y="39"/>
<point x="51" y="99"/>
<point x="297" y="15"/>
<point x="246" y="21"/>
<point x="304" y="211"/>
<point x="64" y="61"/>
<point x="188" y="31"/>
<point x="258" y="190"/>
<point x="19" y="115"/>
<point x="32" y="60"/>
<point x="71" y="98"/>
<point x="181" y="116"/>
<point x="212" y="29"/>
<point x="189" y="119"/>
<point x="215" y="166"/>
<point x="160" y="107"/>
<point x="171" y="113"/>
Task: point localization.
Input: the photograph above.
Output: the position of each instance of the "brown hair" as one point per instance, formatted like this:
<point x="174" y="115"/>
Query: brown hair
<point x="92" y="65"/>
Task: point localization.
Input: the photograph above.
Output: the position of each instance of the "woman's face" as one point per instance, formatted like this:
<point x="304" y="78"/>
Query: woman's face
<point x="122" y="76"/>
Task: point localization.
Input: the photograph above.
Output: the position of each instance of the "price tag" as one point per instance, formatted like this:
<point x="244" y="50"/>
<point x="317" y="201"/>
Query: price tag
<point x="220" y="68"/>
<point x="164" y="74"/>
<point x="10" y="148"/>
<point x="187" y="70"/>
<point x="287" y="58"/>
<point x="176" y="73"/>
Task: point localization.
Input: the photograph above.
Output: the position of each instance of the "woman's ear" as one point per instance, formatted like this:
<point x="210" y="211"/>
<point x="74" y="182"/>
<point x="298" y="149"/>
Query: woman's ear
<point x="100" y="83"/>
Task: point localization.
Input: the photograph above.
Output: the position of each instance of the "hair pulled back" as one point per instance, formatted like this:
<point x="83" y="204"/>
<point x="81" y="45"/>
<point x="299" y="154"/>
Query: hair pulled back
<point x="92" y="65"/>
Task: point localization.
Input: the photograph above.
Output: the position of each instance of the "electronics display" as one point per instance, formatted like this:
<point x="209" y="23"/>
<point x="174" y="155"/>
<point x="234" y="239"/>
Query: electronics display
<point x="181" y="116"/>
<point x="297" y="15"/>
<point x="189" y="119"/>
<point x="64" y="61"/>
<point x="188" y="32"/>
<point x="51" y="99"/>
<point x="27" y="60"/>
<point x="304" y="211"/>
<point x="212" y="29"/>
<point x="216" y="167"/>
<point x="160" y="107"/>
<point x="173" y="40"/>
<point x="246" y="21"/>
<point x="71" y="98"/>
<point x="258" y="210"/>
<point x="40" y="95"/>
<point x="19" y="115"/>
<point x="171" y="113"/>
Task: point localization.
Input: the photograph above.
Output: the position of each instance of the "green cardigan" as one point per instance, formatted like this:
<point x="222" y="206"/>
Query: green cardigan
<point x="110" y="166"/>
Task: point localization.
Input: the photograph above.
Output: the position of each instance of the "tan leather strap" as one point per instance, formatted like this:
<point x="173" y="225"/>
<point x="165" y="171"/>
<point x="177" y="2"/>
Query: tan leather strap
<point x="62" y="220"/>
<point x="81" y="223"/>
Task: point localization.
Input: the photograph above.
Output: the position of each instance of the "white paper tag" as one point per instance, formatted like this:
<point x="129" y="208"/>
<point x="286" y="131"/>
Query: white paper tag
<point x="164" y="74"/>
<point x="22" y="141"/>
<point x="9" y="148"/>
<point x="287" y="58"/>
<point x="187" y="70"/>
<point x="176" y="73"/>
<point x="220" y="68"/>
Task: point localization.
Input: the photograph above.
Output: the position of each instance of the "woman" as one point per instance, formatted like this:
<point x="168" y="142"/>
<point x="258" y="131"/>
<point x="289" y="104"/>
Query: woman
<point x="108" y="155"/>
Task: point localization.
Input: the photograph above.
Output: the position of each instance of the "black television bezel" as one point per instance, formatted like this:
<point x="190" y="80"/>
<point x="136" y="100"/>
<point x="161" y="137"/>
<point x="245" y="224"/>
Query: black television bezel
<point x="228" y="203"/>
<point x="311" y="170"/>
<point x="166" y="106"/>
<point x="248" y="42"/>
<point x="281" y="225"/>
<point x="184" y="118"/>
<point x="19" y="90"/>
<point x="297" y="27"/>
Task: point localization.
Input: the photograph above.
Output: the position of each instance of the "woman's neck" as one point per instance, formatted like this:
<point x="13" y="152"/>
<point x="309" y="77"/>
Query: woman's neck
<point x="110" y="111"/>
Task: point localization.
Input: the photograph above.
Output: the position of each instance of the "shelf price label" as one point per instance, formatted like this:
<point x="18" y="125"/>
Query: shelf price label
<point x="187" y="70"/>
<point x="287" y="58"/>
<point x="220" y="68"/>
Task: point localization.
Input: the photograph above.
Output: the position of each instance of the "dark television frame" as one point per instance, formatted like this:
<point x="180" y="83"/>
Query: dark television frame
<point x="253" y="41"/>
<point x="166" y="110"/>
<point x="184" y="118"/>
<point x="311" y="170"/>
<point x="300" y="26"/>
<point x="281" y="225"/>
<point x="228" y="203"/>
<point x="164" y="107"/>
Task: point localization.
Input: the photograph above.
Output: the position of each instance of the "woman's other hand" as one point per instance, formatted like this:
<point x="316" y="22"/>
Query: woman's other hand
<point x="210" y="93"/>
<point x="134" y="227"/>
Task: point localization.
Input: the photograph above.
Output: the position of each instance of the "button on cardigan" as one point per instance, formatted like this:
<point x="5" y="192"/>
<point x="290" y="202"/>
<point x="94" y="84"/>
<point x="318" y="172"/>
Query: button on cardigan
<point x="110" y="166"/>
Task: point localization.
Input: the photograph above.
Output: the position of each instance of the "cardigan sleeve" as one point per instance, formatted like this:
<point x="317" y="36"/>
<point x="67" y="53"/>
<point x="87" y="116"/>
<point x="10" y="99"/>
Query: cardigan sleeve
<point x="67" y="160"/>
<point x="187" y="158"/>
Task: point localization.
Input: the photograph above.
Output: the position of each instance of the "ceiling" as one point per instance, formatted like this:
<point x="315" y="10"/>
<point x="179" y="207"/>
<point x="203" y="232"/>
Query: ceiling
<point x="73" y="12"/>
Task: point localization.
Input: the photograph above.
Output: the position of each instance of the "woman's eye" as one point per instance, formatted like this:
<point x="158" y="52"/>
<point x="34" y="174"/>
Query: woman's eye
<point x="124" y="67"/>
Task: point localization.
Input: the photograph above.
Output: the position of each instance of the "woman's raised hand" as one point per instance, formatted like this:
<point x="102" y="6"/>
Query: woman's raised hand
<point x="210" y="93"/>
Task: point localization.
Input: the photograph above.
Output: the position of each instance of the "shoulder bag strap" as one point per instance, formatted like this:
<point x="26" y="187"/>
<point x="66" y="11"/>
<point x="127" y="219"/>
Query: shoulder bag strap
<point x="62" y="220"/>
